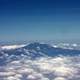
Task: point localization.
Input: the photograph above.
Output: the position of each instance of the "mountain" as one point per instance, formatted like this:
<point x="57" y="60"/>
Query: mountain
<point x="33" y="51"/>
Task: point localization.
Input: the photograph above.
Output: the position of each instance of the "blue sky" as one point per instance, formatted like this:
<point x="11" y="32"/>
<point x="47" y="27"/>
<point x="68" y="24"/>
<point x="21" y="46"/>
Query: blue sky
<point x="39" y="20"/>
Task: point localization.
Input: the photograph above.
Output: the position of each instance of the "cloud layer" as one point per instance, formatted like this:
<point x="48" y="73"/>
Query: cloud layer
<point x="46" y="68"/>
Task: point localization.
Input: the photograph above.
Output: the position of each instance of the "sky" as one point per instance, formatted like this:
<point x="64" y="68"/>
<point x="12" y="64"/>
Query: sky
<point x="40" y="20"/>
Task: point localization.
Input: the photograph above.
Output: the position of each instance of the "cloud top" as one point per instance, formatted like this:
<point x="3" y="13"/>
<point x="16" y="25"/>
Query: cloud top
<point x="46" y="68"/>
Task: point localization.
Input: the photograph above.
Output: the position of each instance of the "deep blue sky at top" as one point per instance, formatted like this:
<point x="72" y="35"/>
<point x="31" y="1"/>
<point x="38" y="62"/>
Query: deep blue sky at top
<point x="40" y="20"/>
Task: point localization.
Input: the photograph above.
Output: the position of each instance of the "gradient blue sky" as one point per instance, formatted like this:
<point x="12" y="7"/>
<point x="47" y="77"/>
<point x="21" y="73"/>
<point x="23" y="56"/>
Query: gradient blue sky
<point x="39" y="20"/>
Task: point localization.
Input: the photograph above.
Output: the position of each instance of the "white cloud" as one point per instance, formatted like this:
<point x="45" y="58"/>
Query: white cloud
<point x="11" y="47"/>
<point x="46" y="68"/>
